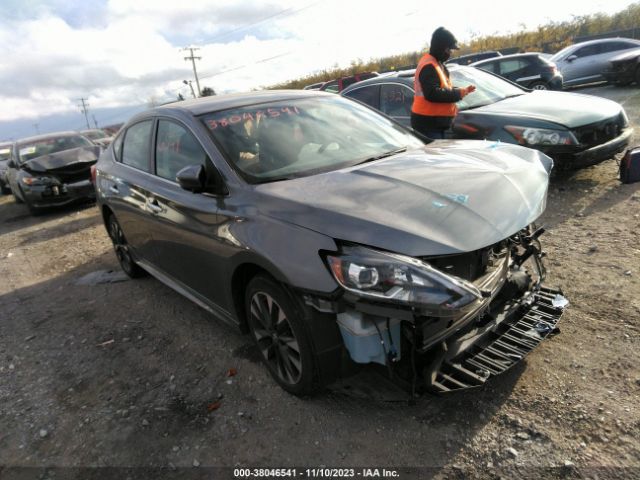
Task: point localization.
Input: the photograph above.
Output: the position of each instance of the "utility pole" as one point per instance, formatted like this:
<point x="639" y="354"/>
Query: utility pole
<point x="193" y="62"/>
<point x="188" y="82"/>
<point x="84" y="110"/>
<point x="95" y="122"/>
<point x="36" y="125"/>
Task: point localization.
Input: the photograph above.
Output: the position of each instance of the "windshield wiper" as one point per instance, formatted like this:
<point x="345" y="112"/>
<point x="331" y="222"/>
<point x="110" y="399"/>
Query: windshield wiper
<point x="383" y="155"/>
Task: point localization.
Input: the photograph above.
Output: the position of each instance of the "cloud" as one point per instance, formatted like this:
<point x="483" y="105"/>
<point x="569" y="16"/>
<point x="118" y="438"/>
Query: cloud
<point x="121" y="52"/>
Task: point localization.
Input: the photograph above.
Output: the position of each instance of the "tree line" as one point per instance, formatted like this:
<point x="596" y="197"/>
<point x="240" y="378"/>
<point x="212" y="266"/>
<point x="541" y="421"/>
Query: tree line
<point x="549" y="38"/>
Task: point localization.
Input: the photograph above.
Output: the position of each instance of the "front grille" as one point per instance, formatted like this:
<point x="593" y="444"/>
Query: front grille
<point x="502" y="347"/>
<point x="74" y="173"/>
<point x="600" y="132"/>
<point x="469" y="266"/>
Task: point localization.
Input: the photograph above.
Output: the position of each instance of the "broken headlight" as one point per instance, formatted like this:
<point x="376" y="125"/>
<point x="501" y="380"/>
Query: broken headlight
<point x="397" y="278"/>
<point x="33" y="181"/>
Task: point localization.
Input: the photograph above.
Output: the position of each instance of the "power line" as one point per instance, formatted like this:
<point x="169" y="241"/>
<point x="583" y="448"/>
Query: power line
<point x="263" y="20"/>
<point x="193" y="62"/>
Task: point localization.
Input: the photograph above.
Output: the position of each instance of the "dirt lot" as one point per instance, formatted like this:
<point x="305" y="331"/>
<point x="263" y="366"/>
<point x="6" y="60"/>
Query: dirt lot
<point x="127" y="373"/>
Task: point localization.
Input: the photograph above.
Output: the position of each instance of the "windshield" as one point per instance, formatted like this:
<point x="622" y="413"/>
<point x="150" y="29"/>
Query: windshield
<point x="5" y="153"/>
<point x="301" y="137"/>
<point x="47" y="146"/>
<point x="489" y="88"/>
<point x="558" y="55"/>
<point x="95" y="134"/>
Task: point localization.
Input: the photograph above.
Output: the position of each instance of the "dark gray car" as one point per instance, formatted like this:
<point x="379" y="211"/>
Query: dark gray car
<point x="530" y="70"/>
<point x="5" y="155"/>
<point x="52" y="170"/>
<point x="575" y="130"/>
<point x="335" y="236"/>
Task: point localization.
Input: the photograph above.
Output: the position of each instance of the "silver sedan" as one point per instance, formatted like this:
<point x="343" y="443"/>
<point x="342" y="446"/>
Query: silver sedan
<point x="585" y="62"/>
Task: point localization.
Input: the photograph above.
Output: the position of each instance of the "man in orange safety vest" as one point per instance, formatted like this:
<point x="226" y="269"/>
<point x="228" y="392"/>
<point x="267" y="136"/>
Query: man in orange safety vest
<point x="434" y="101"/>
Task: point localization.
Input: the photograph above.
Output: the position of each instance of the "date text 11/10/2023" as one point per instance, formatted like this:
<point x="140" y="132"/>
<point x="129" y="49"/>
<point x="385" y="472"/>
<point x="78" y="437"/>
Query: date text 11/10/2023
<point x="315" y="473"/>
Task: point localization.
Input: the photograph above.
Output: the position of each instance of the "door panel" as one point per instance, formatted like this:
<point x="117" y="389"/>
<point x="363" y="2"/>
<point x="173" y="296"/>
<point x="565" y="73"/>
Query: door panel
<point x="185" y="224"/>
<point x="128" y="187"/>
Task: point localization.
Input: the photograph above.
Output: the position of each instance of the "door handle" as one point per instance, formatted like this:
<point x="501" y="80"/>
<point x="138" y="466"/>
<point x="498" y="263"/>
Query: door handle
<point x="113" y="188"/>
<point x="153" y="207"/>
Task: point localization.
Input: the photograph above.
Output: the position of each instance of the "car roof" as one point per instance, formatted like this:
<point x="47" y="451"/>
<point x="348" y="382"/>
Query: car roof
<point x="504" y="57"/>
<point x="403" y="76"/>
<point x="46" y="136"/>
<point x="199" y="106"/>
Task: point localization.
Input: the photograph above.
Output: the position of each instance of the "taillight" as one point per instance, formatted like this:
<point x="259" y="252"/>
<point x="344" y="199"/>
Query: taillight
<point x="93" y="174"/>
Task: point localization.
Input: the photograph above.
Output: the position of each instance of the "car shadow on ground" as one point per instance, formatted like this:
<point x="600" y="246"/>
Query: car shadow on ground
<point x="120" y="373"/>
<point x="15" y="216"/>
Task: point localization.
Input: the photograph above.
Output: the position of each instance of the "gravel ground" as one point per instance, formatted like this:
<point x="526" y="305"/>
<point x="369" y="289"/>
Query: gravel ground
<point x="102" y="371"/>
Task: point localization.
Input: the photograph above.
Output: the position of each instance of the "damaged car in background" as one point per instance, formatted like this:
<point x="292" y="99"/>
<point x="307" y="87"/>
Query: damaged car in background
<point x="52" y="170"/>
<point x="336" y="237"/>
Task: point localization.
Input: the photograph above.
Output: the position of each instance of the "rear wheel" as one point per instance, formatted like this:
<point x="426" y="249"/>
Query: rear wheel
<point x="637" y="76"/>
<point x="121" y="247"/>
<point x="280" y="334"/>
<point x="539" y="86"/>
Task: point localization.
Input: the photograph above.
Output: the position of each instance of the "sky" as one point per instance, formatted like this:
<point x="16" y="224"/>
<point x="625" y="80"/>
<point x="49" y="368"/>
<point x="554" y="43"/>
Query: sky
<point x="123" y="55"/>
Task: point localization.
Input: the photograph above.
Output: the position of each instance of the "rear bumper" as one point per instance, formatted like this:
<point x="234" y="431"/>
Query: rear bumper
<point x="470" y="360"/>
<point x="42" y="196"/>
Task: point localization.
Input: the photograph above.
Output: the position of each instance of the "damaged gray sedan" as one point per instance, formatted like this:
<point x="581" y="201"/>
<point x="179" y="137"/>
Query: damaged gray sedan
<point x="335" y="237"/>
<point x="52" y="170"/>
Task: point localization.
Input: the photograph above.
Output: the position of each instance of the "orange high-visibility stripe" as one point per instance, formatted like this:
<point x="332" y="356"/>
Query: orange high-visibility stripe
<point x="421" y="105"/>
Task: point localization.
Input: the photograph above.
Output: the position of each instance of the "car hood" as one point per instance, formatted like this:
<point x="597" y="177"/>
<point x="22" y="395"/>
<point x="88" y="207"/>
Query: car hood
<point x="569" y="109"/>
<point x="448" y="197"/>
<point x="62" y="159"/>
<point x="628" y="55"/>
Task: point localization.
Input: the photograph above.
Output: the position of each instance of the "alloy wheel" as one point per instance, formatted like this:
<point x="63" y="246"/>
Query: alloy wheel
<point x="275" y="338"/>
<point x="121" y="247"/>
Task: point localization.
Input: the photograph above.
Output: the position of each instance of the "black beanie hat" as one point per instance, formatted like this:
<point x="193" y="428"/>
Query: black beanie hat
<point x="440" y="40"/>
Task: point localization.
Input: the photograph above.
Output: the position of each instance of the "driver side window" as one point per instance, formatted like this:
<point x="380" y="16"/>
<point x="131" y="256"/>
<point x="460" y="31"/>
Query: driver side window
<point x="176" y="148"/>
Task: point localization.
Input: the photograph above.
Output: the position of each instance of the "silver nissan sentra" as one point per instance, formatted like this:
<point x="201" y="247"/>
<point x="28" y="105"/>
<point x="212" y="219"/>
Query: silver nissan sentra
<point x="335" y="236"/>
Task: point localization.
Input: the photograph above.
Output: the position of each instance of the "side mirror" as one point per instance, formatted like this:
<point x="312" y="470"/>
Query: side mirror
<point x="12" y="163"/>
<point x="571" y="58"/>
<point x="196" y="179"/>
<point x="192" y="178"/>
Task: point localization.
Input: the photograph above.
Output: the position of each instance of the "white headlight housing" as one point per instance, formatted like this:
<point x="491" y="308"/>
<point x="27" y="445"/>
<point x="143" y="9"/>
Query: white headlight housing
<point x="397" y="278"/>
<point x="529" y="136"/>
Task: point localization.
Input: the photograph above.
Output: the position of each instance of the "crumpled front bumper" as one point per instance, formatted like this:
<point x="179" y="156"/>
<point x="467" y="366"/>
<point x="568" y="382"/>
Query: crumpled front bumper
<point x="468" y="360"/>
<point x="59" y="194"/>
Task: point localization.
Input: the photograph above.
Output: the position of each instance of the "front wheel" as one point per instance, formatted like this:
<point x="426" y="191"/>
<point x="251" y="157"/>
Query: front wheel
<point x="122" y="249"/>
<point x="280" y="335"/>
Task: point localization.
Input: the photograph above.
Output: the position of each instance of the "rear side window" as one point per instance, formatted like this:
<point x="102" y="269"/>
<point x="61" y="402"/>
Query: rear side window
<point x="368" y="95"/>
<point x="615" y="46"/>
<point x="512" y="66"/>
<point x="396" y="100"/>
<point x="489" y="67"/>
<point x="137" y="142"/>
<point x="117" y="147"/>
<point x="176" y="148"/>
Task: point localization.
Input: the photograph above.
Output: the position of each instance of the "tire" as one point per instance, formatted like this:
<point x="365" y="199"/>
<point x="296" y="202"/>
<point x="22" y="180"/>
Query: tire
<point x="637" y="76"/>
<point x="280" y="333"/>
<point x="539" y="86"/>
<point x="121" y="247"/>
<point x="17" y="197"/>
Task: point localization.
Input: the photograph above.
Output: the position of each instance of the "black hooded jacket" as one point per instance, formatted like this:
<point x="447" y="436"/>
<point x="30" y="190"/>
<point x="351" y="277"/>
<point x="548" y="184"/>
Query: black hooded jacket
<point x="430" y="83"/>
